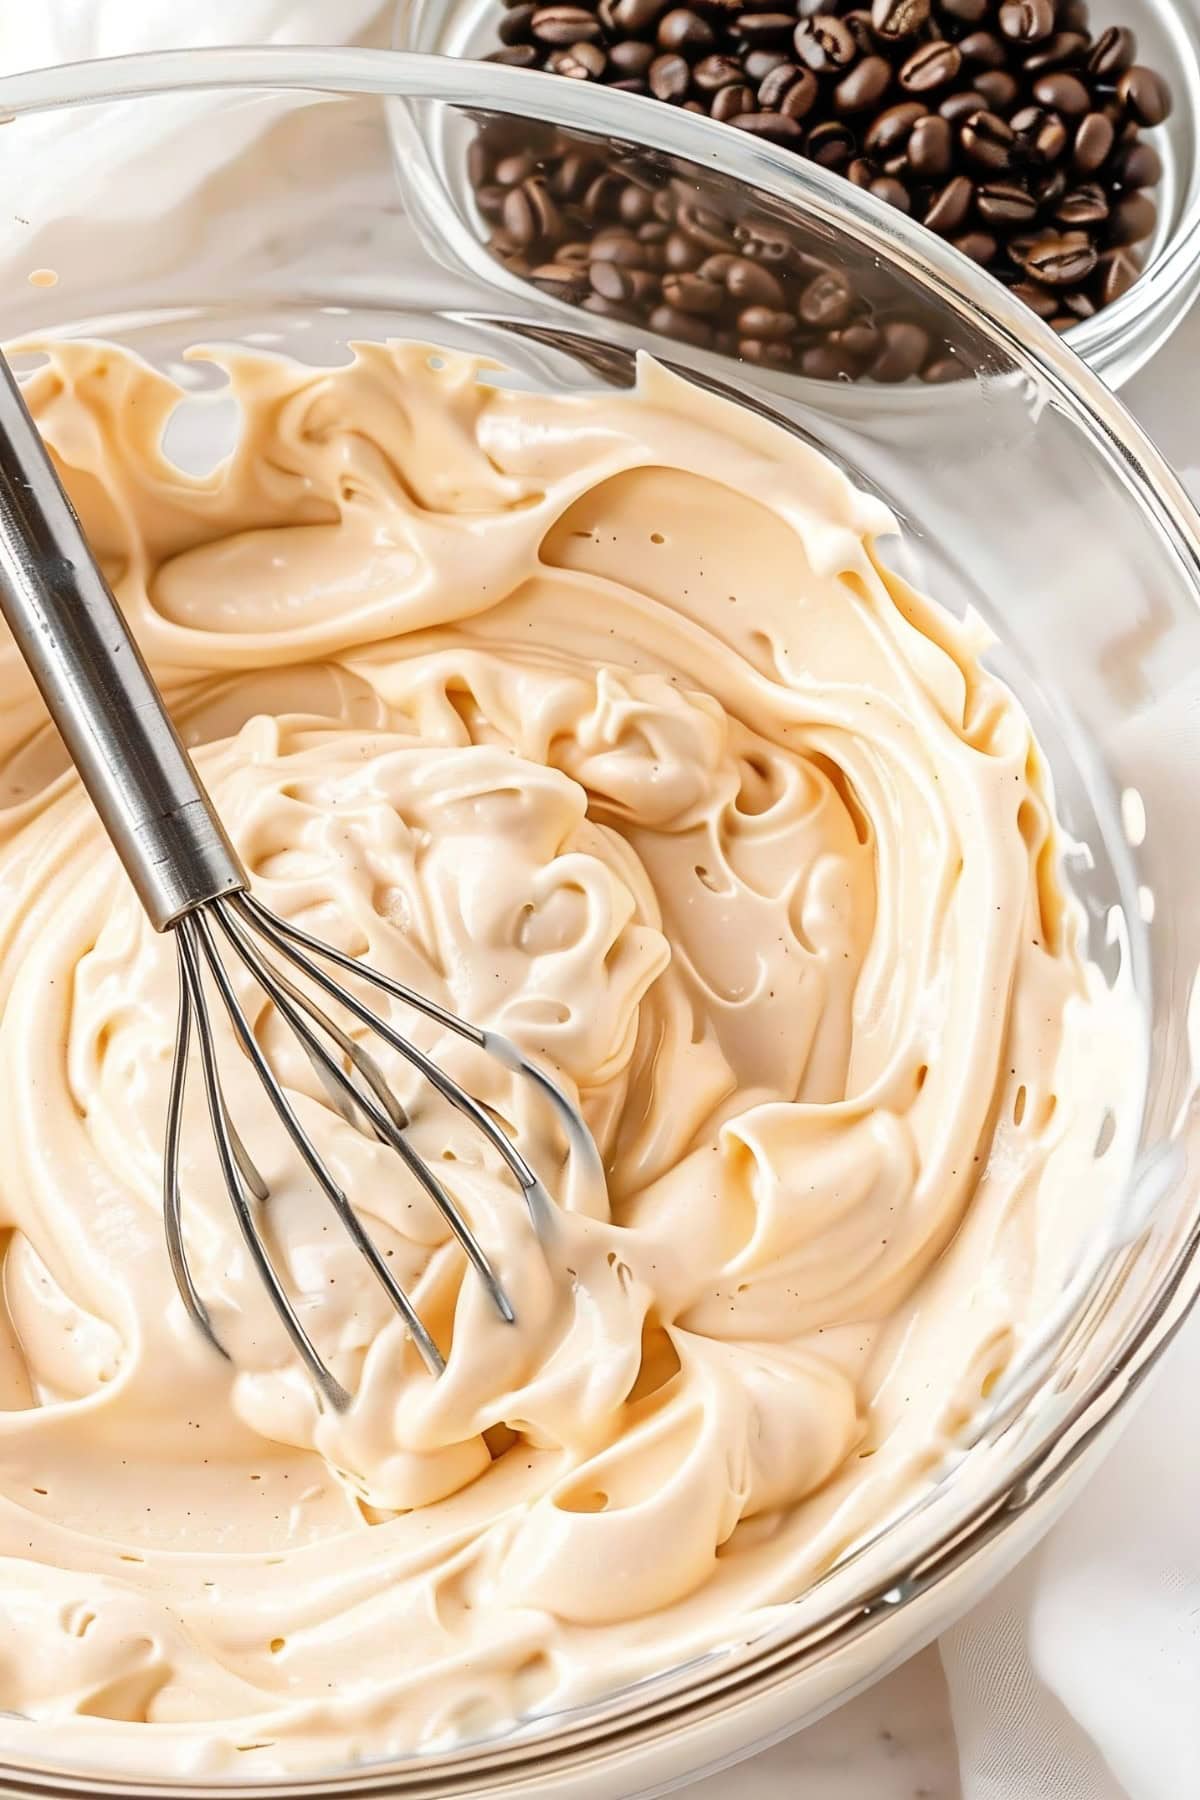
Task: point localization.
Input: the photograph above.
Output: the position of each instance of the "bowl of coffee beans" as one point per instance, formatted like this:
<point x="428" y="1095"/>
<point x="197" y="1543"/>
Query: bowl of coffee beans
<point x="1052" y="147"/>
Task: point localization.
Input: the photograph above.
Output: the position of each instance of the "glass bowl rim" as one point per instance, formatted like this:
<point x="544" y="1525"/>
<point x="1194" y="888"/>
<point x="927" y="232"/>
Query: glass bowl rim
<point x="1111" y="433"/>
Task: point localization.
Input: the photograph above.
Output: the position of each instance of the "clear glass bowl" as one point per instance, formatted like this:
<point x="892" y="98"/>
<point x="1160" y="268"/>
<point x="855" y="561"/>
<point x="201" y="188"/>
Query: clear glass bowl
<point x="1120" y="338"/>
<point x="289" y="198"/>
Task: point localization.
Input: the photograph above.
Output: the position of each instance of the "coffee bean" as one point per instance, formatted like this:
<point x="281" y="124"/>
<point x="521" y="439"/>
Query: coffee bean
<point x="905" y="348"/>
<point x="603" y="195"/>
<point x="988" y="141"/>
<point x="980" y="246"/>
<point x="681" y="253"/>
<point x="685" y="31"/>
<point x="1000" y="89"/>
<point x="635" y="206"/>
<point x="1144" y="95"/>
<point x="1118" y="272"/>
<point x="1004" y="203"/>
<point x="1062" y="261"/>
<point x="893" y="191"/>
<point x="516" y="25"/>
<point x="984" y="49"/>
<point x="935" y="65"/>
<point x="1064" y="94"/>
<point x="942" y="370"/>
<point x="789" y="83"/>
<point x="529" y="213"/>
<point x="865" y="85"/>
<point x="1042" y="133"/>
<point x="611" y="309"/>
<point x="490" y="201"/>
<point x="1094" y="140"/>
<point x="757" y="64"/>
<point x="1138" y="165"/>
<point x="824" y="44"/>
<point x="1026" y="21"/>
<point x="632" y="58"/>
<point x="751" y="284"/>
<point x="511" y="171"/>
<point x="827" y="301"/>
<point x="636" y="16"/>
<point x="958" y="108"/>
<point x="776" y="127"/>
<point x="670" y="322"/>
<point x="1065" y="50"/>
<point x="931" y="148"/>
<point x="825" y="362"/>
<point x="862" y="171"/>
<point x="1114" y="51"/>
<point x="861" y="339"/>
<point x="858" y="24"/>
<point x="560" y="281"/>
<point x="704" y="228"/>
<point x="617" y="283"/>
<point x="670" y="78"/>
<point x="1083" y="205"/>
<point x="891" y="131"/>
<point x="948" y="210"/>
<point x="692" y="294"/>
<point x="633" y="85"/>
<point x="582" y="62"/>
<point x="565" y="25"/>
<point x="766" y="323"/>
<point x="830" y="144"/>
<point x="765" y="30"/>
<point x="732" y="101"/>
<point x="516" y="56"/>
<point x="776" y="355"/>
<point x="966" y="12"/>
<point x="1037" y="299"/>
<point x="1133" y="218"/>
<point x="899" y="18"/>
<point x="713" y="73"/>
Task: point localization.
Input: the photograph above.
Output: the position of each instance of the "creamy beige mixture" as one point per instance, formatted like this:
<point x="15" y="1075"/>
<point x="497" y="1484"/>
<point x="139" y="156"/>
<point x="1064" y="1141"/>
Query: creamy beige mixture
<point x="599" y="719"/>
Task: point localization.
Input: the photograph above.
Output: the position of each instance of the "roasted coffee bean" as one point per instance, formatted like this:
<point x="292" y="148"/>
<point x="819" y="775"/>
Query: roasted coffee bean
<point x="827" y="301"/>
<point x="617" y="283"/>
<point x="685" y="31"/>
<point x="766" y="323"/>
<point x="983" y="50"/>
<point x="1038" y="299"/>
<point x="1144" y="95"/>
<point x="529" y="213"/>
<point x="1065" y="50"/>
<point x="865" y="85"/>
<point x="824" y="44"/>
<point x="765" y="30"/>
<point x="861" y="339"/>
<point x="692" y="294"/>
<point x="757" y="64"/>
<point x="943" y="369"/>
<point x="561" y="281"/>
<point x="789" y="83"/>
<point x="1083" y="205"/>
<point x="1062" y="93"/>
<point x="715" y="72"/>
<point x="1042" y="133"/>
<point x="732" y="101"/>
<point x="776" y="355"/>
<point x="636" y="16"/>
<point x="751" y="284"/>
<point x="1026" y="21"/>
<point x="619" y="247"/>
<point x="670" y="77"/>
<point x="681" y="326"/>
<point x="891" y="131"/>
<point x="1004" y="203"/>
<point x="980" y="246"/>
<point x="965" y="12"/>
<point x="831" y="145"/>
<point x="931" y="148"/>
<point x="892" y="190"/>
<point x="947" y="211"/>
<point x="582" y="62"/>
<point x="988" y="141"/>
<point x="1000" y="89"/>
<point x="704" y="227"/>
<point x="681" y="253"/>
<point x="1094" y="139"/>
<point x="635" y="206"/>
<point x="1062" y="261"/>
<point x="1133" y="218"/>
<point x="958" y="108"/>
<point x="611" y="309"/>
<point x="905" y="348"/>
<point x="603" y="195"/>
<point x="516" y="56"/>
<point x="511" y="171"/>
<point x="862" y="171"/>
<point x="935" y="65"/>
<point x="571" y="179"/>
<point x="561" y="26"/>
<point x="631" y="85"/>
<point x="899" y="18"/>
<point x="1137" y="165"/>
<point x="776" y="127"/>
<point x="1118" y="272"/>
<point x="632" y="58"/>
<point x="516" y="25"/>
<point x="825" y="362"/>
<point x="1114" y="51"/>
<point x="858" y="24"/>
<point x="490" y="200"/>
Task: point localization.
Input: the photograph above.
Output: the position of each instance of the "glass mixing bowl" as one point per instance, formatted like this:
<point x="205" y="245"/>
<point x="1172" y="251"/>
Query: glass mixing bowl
<point x="1118" y="340"/>
<point x="289" y="198"/>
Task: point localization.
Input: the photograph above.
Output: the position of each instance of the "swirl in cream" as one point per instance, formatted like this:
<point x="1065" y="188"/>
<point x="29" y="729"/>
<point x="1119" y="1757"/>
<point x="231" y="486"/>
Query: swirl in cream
<point x="600" y="719"/>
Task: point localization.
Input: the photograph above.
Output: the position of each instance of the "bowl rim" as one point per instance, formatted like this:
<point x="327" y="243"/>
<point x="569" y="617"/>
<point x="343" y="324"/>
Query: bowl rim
<point x="1054" y="1450"/>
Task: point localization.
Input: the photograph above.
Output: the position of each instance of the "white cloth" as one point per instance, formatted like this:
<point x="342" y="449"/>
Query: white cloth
<point x="1079" y="1679"/>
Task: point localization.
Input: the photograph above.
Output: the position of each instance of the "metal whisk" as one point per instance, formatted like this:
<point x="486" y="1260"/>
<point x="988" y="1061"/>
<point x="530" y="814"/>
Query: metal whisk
<point x="191" y="882"/>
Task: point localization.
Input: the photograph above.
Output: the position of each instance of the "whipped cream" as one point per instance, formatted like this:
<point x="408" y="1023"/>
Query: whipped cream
<point x="601" y="719"/>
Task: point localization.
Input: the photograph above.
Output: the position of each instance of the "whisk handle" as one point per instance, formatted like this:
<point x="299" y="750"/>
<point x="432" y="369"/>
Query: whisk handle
<point x="97" y="688"/>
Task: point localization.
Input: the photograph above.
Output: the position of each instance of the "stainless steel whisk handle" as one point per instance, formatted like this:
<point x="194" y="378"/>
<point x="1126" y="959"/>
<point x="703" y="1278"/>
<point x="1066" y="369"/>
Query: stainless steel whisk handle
<point x="97" y="688"/>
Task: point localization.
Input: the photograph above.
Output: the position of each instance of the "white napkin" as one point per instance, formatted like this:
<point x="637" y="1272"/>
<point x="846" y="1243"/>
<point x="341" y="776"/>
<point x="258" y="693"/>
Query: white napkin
<point x="1079" y="1679"/>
